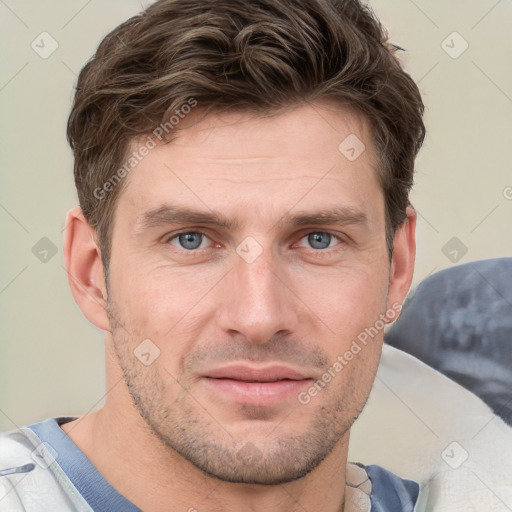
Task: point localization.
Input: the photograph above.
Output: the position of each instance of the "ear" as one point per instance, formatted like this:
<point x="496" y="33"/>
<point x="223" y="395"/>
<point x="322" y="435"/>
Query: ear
<point x="85" y="269"/>
<point x="402" y="263"/>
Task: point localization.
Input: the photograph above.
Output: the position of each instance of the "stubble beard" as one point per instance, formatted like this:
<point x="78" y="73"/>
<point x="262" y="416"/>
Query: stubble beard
<point x="190" y="428"/>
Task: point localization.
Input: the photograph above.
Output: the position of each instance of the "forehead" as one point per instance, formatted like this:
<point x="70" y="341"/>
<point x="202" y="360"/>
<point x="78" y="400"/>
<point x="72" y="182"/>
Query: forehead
<point x="238" y="161"/>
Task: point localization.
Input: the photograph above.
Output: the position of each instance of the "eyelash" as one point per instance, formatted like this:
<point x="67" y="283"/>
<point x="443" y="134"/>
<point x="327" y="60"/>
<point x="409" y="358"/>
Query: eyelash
<point x="193" y="252"/>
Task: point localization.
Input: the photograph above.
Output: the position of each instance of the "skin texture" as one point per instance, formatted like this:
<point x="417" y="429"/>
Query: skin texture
<point x="166" y="438"/>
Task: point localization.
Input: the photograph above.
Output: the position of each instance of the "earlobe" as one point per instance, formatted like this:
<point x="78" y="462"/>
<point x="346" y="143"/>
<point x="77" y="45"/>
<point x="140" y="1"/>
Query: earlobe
<point x="402" y="263"/>
<point x="85" y="269"/>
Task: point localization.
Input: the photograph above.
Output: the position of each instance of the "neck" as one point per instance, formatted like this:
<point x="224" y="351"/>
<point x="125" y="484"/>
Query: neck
<point x="126" y="452"/>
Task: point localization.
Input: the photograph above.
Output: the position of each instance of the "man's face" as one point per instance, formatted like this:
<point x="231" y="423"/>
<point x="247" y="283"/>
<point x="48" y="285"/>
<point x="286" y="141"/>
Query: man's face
<point x="244" y="316"/>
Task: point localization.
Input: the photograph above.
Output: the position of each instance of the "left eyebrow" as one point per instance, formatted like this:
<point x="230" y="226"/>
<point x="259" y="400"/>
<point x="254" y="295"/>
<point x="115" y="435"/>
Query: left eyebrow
<point x="339" y="216"/>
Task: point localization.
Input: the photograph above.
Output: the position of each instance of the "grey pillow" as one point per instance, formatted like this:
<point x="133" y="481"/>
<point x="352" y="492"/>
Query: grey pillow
<point x="459" y="321"/>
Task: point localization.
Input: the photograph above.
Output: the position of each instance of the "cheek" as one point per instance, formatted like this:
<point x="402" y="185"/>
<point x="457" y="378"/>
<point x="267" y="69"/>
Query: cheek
<point x="161" y="302"/>
<point x="347" y="300"/>
<point x="347" y="308"/>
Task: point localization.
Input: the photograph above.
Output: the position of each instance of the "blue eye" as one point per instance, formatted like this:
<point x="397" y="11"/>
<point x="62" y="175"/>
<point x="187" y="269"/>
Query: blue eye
<point x="189" y="241"/>
<point x="320" y="240"/>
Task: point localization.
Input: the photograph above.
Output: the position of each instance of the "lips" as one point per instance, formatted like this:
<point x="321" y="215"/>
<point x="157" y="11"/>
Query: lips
<point x="261" y="387"/>
<point x="248" y="374"/>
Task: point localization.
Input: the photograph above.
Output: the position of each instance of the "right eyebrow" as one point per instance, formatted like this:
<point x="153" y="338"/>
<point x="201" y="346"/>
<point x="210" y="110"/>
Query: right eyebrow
<point x="172" y="214"/>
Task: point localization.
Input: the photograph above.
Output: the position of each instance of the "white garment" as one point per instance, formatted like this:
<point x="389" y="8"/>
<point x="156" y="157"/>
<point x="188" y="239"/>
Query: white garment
<point x="424" y="427"/>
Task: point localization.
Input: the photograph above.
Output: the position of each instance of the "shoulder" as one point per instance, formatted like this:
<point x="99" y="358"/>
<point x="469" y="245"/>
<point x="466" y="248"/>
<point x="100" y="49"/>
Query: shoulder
<point x="15" y="449"/>
<point x="376" y="489"/>
<point x="30" y="478"/>
<point x="426" y="427"/>
<point x="391" y="492"/>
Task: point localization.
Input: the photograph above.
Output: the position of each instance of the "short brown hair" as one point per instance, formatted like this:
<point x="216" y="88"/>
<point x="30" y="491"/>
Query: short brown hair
<point x="257" y="56"/>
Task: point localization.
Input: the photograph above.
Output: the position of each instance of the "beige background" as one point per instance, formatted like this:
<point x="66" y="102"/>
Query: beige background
<point x="51" y="358"/>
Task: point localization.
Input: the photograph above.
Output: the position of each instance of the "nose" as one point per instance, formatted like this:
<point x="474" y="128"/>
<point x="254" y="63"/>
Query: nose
<point x="259" y="301"/>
